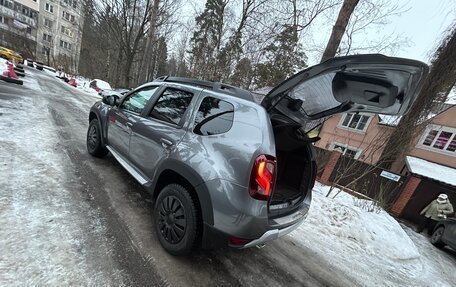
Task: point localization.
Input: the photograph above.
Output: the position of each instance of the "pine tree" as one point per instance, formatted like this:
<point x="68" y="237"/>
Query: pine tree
<point x="206" y="40"/>
<point x="283" y="58"/>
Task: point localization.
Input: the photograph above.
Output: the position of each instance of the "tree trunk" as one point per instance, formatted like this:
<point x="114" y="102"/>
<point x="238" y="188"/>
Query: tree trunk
<point x="146" y="67"/>
<point x="127" y="71"/>
<point x="435" y="90"/>
<point x="339" y="29"/>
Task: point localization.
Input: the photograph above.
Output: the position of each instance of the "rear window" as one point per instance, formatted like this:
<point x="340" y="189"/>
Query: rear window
<point x="214" y="117"/>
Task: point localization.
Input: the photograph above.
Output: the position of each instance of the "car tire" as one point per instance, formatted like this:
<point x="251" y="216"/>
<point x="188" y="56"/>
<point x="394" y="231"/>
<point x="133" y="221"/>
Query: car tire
<point x="94" y="144"/>
<point x="11" y="80"/>
<point x="176" y="220"/>
<point x="436" y="238"/>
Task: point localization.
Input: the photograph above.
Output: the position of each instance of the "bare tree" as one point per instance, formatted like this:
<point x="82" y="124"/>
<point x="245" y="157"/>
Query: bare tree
<point x="441" y="79"/>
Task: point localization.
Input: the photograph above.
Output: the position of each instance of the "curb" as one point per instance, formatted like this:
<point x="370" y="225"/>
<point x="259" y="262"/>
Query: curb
<point x="11" y="80"/>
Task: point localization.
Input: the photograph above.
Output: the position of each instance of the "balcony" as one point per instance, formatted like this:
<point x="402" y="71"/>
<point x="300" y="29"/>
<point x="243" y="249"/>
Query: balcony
<point x="17" y="32"/>
<point x="17" y="15"/>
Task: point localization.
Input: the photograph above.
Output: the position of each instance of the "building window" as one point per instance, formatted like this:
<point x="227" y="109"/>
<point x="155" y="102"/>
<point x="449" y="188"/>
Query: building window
<point x="49" y="8"/>
<point x="2" y="20"/>
<point x="7" y="3"/>
<point x="66" y="31"/>
<point x="65" y="45"/>
<point x="355" y="121"/>
<point x="48" y="23"/>
<point x="47" y="37"/>
<point x="71" y="3"/>
<point x="67" y="16"/>
<point x="346" y="150"/>
<point x="439" y="138"/>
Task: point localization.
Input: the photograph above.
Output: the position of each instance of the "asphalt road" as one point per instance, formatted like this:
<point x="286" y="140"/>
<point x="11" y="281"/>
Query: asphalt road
<point x="116" y="201"/>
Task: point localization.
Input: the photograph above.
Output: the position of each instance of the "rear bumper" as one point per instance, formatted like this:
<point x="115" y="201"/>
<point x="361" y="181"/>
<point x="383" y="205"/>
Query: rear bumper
<point x="213" y="238"/>
<point x="270" y="235"/>
<point x="239" y="216"/>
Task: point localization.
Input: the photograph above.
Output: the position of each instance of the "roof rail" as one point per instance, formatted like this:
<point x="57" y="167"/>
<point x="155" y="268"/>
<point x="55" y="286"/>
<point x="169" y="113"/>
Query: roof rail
<point x="217" y="87"/>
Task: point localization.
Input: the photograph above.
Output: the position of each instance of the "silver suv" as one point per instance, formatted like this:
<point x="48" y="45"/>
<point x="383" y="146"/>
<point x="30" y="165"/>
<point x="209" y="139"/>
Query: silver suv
<point x="226" y="170"/>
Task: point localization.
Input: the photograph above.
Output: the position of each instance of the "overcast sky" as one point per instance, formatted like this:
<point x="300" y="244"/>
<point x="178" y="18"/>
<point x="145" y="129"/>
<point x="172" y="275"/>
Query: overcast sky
<point x="424" y="23"/>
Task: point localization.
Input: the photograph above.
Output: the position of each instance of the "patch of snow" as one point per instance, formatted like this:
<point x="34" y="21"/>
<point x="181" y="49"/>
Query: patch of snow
<point x="369" y="246"/>
<point x="451" y="97"/>
<point x="431" y="170"/>
<point x="3" y="66"/>
<point x="389" y="120"/>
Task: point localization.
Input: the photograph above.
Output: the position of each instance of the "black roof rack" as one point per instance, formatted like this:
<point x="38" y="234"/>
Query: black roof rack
<point x="217" y="87"/>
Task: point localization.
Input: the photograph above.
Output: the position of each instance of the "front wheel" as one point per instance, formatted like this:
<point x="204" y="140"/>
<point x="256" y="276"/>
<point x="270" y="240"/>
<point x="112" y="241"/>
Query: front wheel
<point x="94" y="145"/>
<point x="176" y="220"/>
<point x="436" y="238"/>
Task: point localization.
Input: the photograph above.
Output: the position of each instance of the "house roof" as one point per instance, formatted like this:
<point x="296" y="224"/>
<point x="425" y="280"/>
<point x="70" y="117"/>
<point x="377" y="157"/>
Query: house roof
<point x="393" y="121"/>
<point x="431" y="170"/>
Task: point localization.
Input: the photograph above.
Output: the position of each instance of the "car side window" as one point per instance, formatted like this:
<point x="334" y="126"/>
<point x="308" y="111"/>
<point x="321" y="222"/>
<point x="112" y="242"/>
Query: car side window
<point x="214" y="117"/>
<point x="171" y="106"/>
<point x="136" y="101"/>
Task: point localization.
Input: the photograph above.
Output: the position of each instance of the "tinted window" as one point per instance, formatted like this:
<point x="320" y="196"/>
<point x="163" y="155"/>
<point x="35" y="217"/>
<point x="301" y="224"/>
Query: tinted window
<point x="138" y="100"/>
<point x="214" y="117"/>
<point x="171" y="106"/>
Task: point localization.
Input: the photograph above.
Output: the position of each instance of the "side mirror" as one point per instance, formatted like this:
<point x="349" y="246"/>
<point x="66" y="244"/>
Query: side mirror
<point x="110" y="100"/>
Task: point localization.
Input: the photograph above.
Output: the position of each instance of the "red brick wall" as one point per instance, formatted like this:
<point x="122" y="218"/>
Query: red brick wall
<point x="405" y="196"/>
<point x="334" y="157"/>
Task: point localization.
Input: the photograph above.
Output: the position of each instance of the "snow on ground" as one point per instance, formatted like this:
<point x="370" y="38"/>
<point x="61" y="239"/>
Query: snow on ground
<point x="364" y="242"/>
<point x="431" y="170"/>
<point x="44" y="234"/>
<point x="3" y="66"/>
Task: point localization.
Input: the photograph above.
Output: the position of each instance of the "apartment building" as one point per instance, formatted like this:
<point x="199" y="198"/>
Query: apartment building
<point x="60" y="33"/>
<point x="19" y="26"/>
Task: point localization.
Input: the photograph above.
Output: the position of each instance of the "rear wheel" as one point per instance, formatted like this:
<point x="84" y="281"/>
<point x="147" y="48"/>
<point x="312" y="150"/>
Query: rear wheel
<point x="176" y="220"/>
<point x="436" y="238"/>
<point x="94" y="145"/>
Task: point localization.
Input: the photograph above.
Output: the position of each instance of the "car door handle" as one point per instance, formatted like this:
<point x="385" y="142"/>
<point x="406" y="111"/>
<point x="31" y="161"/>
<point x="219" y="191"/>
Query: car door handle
<point x="129" y="125"/>
<point x="166" y="143"/>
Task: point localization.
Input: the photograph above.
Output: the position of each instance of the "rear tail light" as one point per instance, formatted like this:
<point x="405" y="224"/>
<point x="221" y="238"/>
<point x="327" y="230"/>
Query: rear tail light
<point x="238" y="241"/>
<point x="262" y="177"/>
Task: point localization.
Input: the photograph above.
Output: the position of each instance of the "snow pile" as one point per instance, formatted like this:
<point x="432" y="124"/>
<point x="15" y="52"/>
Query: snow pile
<point x="431" y="170"/>
<point x="354" y="239"/>
<point x="3" y="66"/>
<point x="83" y="85"/>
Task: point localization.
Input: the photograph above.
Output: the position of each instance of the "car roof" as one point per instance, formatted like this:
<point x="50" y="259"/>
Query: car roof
<point x="214" y="86"/>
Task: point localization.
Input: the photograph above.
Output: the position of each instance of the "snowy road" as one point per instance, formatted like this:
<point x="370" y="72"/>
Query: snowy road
<point x="67" y="218"/>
